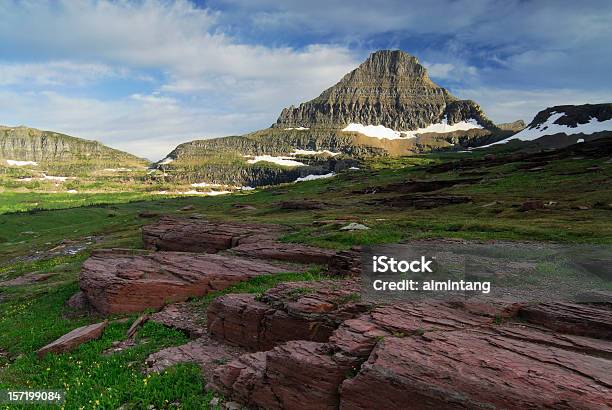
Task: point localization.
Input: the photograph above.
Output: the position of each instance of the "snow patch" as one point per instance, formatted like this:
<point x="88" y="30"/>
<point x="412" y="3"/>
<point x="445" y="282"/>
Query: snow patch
<point x="193" y="192"/>
<point x="374" y="131"/>
<point x="16" y="163"/>
<point x="247" y="188"/>
<point x="283" y="161"/>
<point x="313" y="177"/>
<point x="311" y="152"/>
<point x="353" y="169"/>
<point x="382" y="132"/>
<point x="297" y="128"/>
<point x="580" y="140"/>
<point x="166" y="160"/>
<point x="204" y="184"/>
<point x="549" y="127"/>
<point x="55" y="178"/>
<point x="72" y="191"/>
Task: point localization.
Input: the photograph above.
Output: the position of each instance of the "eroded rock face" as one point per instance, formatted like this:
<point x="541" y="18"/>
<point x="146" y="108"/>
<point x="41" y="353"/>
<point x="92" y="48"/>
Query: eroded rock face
<point x="297" y="375"/>
<point x="571" y="318"/>
<point x="73" y="339"/>
<point x="188" y="235"/>
<point x="429" y="355"/>
<point x="290" y="311"/>
<point x="390" y="88"/>
<point x="117" y="281"/>
<point x="476" y="369"/>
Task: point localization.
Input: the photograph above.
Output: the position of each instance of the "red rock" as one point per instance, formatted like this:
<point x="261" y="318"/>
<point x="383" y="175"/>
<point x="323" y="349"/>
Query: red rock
<point x="116" y="281"/>
<point x="73" y="339"/>
<point x="476" y="369"/>
<point x="289" y="311"/>
<point x="358" y="337"/>
<point x="243" y="379"/>
<point x="286" y="252"/>
<point x="189" y="235"/>
<point x="571" y="318"/>
<point x="298" y="374"/>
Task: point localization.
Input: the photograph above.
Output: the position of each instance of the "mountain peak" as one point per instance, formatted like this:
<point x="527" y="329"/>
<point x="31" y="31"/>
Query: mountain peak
<point x="390" y="88"/>
<point x="396" y="62"/>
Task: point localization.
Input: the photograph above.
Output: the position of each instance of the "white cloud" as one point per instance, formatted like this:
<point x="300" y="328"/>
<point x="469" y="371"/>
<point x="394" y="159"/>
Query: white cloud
<point x="56" y="73"/>
<point x="203" y="80"/>
<point x="506" y="105"/>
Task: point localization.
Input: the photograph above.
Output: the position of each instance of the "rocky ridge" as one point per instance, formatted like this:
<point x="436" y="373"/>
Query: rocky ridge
<point x="29" y="144"/>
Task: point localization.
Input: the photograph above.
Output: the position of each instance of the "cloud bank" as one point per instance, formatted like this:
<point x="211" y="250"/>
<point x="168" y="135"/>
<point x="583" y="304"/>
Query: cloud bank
<point x="146" y="75"/>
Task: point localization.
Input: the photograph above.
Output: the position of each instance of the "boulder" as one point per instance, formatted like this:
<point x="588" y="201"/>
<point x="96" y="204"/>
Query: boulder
<point x="117" y="281"/>
<point x="189" y="235"/>
<point x="290" y="311"/>
<point x="73" y="339"/>
<point x="298" y="374"/>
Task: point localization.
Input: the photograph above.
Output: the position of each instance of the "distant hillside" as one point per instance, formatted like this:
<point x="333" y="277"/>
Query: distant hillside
<point x="55" y="150"/>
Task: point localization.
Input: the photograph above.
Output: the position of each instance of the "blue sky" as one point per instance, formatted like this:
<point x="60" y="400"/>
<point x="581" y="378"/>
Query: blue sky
<point x="146" y="75"/>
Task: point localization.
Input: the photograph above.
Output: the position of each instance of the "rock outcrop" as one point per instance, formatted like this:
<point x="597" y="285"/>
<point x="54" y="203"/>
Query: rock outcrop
<point x="390" y="88"/>
<point x="290" y="311"/>
<point x="431" y="355"/>
<point x="48" y="147"/>
<point x="192" y="235"/>
<point x="117" y="281"/>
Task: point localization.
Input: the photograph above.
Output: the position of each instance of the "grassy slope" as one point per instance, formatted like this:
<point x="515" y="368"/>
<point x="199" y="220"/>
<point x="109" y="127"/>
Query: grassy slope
<point x="31" y="316"/>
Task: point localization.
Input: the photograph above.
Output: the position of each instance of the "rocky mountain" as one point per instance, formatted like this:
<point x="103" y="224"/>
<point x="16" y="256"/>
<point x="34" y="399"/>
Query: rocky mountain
<point x="23" y="145"/>
<point x="563" y="125"/>
<point x="391" y="89"/>
<point x="386" y="106"/>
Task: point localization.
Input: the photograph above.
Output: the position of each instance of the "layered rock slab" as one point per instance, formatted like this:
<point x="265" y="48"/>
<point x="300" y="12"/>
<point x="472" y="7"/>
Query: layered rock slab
<point x="428" y="355"/>
<point x="577" y="319"/>
<point x="290" y="311"/>
<point x="192" y="235"/>
<point x="476" y="369"/>
<point x="297" y="375"/>
<point x="286" y="252"/>
<point x="117" y="281"/>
